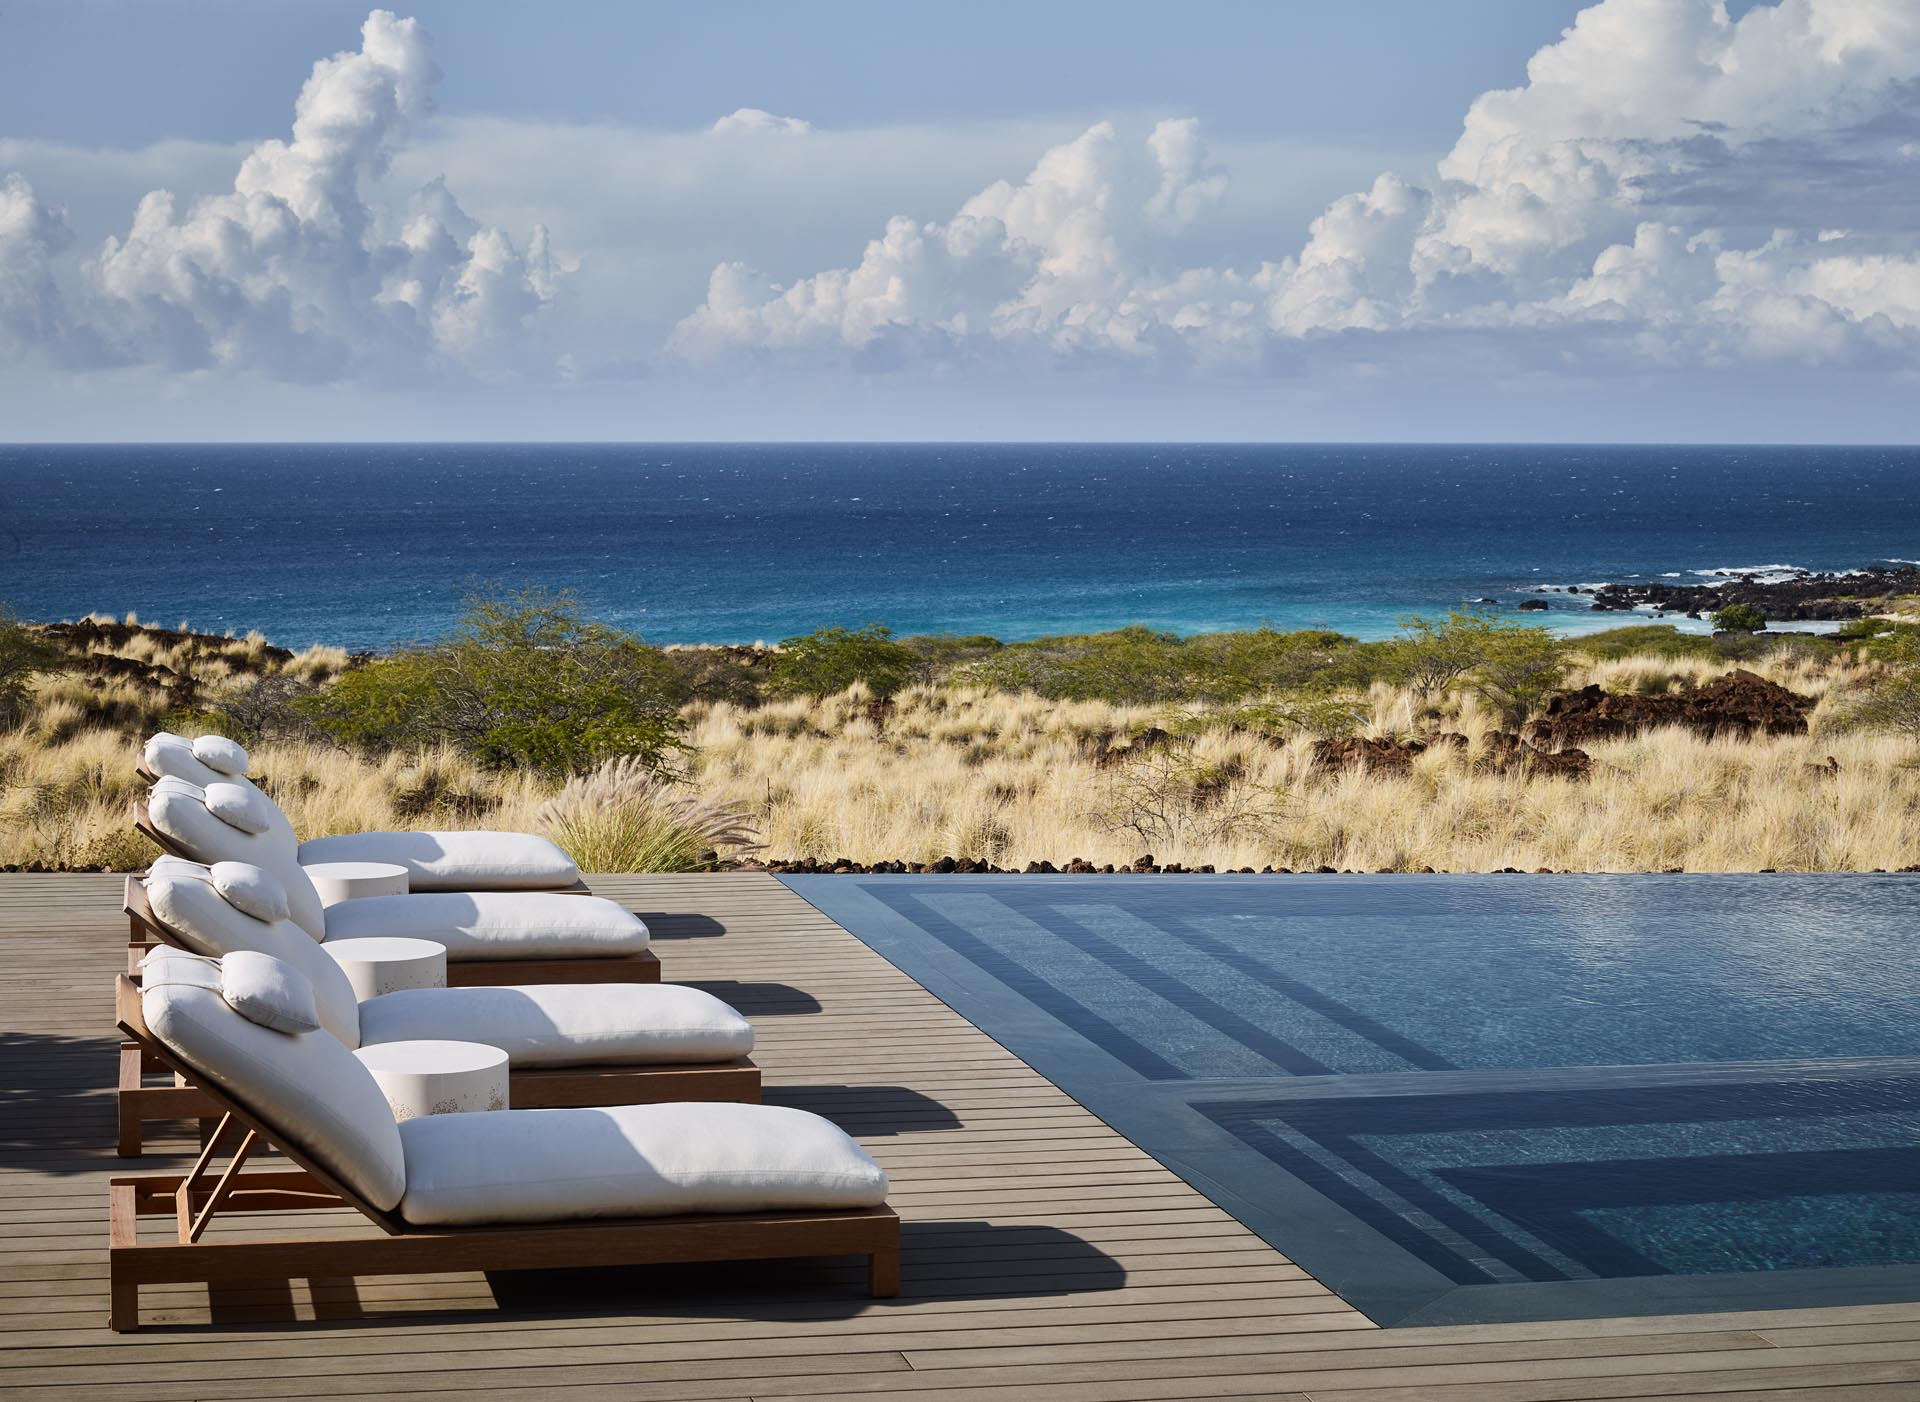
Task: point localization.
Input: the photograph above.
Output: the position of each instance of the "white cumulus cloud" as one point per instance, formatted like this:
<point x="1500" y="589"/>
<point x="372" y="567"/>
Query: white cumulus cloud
<point x="1669" y="182"/>
<point x="1054" y="258"/>
<point x="292" y="273"/>
<point x="753" y="119"/>
<point x="31" y="232"/>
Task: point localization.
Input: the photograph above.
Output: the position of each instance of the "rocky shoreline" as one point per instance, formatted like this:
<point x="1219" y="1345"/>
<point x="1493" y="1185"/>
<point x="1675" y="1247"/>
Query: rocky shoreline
<point x="1802" y="596"/>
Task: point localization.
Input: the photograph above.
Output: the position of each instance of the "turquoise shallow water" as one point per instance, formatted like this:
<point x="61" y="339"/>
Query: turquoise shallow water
<point x="369" y="545"/>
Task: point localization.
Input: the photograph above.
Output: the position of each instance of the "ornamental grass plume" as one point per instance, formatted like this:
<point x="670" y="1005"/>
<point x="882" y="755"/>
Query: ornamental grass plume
<point x="622" y="816"/>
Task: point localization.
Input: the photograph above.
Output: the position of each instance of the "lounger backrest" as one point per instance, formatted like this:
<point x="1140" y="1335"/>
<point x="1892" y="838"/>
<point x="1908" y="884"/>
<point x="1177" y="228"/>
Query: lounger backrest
<point x="307" y="1091"/>
<point x="185" y="900"/>
<point x="179" y="811"/>
<point x="171" y="756"/>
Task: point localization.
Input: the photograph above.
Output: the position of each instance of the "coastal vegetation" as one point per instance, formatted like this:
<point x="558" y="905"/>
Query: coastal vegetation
<point x="1472" y="742"/>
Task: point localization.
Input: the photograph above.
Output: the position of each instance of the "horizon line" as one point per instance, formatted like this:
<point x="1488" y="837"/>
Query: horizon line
<point x="940" y="443"/>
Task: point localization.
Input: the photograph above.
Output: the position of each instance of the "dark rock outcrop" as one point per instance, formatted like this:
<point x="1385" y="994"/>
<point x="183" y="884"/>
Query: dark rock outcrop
<point x="1805" y="595"/>
<point x="1505" y="751"/>
<point x="1740" y="703"/>
<point x="1367" y="755"/>
<point x="1145" y="743"/>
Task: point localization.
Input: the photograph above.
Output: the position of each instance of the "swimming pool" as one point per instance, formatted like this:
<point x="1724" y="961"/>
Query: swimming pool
<point x="1463" y="1098"/>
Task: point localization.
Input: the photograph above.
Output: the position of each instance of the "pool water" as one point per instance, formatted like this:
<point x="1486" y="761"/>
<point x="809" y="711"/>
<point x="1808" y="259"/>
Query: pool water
<point x="1470" y="1098"/>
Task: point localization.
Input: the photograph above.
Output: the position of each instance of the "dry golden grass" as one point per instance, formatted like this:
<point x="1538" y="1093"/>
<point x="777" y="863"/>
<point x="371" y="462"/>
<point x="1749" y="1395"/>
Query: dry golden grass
<point x="66" y="804"/>
<point x="1015" y="778"/>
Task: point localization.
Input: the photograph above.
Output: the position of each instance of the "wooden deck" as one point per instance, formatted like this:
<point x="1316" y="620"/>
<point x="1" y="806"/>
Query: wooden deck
<point x="1044" y="1255"/>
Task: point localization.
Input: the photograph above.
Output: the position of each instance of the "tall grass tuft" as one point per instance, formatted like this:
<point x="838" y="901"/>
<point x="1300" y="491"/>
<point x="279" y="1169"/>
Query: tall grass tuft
<point x="621" y="816"/>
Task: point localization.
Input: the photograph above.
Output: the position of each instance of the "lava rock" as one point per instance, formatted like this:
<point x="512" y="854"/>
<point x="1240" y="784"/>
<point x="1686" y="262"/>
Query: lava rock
<point x="1740" y="703"/>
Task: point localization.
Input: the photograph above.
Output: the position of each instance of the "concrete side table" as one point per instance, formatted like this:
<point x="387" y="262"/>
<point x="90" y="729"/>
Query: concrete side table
<point x="388" y="963"/>
<point x="346" y="881"/>
<point x="438" y="1078"/>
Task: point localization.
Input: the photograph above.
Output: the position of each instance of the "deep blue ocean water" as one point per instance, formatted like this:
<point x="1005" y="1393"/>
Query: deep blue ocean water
<point x="368" y="545"/>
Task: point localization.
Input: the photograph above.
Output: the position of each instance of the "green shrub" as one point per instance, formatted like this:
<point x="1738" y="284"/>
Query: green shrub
<point x="1139" y="665"/>
<point x="1646" y="640"/>
<point x="525" y="681"/>
<point x="1739" y="618"/>
<point x="942" y="652"/>
<point x="829" y="660"/>
<point x="736" y="675"/>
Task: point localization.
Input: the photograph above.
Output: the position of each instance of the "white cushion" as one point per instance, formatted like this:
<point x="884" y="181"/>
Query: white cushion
<point x="496" y="924"/>
<point x="219" y="753"/>
<point x="179" y="812"/>
<point x="185" y="900"/>
<point x="166" y="864"/>
<point x="631" y="1161"/>
<point x="268" y="991"/>
<point x="454" y="861"/>
<point x="603" y="1024"/>
<point x="240" y="805"/>
<point x="309" y="1092"/>
<point x="251" y="889"/>
<point x="167" y="755"/>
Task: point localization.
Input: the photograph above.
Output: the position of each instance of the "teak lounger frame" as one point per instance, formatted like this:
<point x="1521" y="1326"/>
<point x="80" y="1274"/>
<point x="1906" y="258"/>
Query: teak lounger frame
<point x="643" y="967"/>
<point x="193" y="1201"/>
<point x="178" y="1098"/>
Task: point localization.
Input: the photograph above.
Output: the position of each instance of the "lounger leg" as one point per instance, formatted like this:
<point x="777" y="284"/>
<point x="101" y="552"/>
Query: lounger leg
<point x="883" y="1273"/>
<point x="129" y="1121"/>
<point x="123" y="1311"/>
<point x="123" y="1294"/>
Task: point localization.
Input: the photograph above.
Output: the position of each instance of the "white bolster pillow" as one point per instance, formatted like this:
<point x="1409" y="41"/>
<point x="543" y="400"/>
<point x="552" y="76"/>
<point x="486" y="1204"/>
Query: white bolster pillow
<point x="219" y="753"/>
<point x="268" y="991"/>
<point x="251" y="890"/>
<point x="239" y="806"/>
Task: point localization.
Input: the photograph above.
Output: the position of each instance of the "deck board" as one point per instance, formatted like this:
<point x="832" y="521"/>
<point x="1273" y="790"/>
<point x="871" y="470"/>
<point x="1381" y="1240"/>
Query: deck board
<point x="1044" y="1254"/>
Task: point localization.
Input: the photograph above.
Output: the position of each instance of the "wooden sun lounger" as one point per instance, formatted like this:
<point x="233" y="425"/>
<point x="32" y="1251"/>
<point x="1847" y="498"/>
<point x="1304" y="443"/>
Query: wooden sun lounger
<point x="194" y="1200"/>
<point x="177" y="1098"/>
<point x="147" y="776"/>
<point x="643" y="967"/>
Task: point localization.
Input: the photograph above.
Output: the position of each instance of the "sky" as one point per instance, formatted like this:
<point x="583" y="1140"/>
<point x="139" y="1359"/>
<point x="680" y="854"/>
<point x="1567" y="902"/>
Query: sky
<point x="1489" y="220"/>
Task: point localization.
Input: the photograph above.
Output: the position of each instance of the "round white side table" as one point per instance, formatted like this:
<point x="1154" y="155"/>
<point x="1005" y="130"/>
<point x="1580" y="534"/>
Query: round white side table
<point x="438" y="1078"/>
<point x="346" y="881"/>
<point x="387" y="963"/>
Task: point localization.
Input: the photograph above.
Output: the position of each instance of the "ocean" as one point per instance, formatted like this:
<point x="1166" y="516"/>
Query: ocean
<point x="369" y="546"/>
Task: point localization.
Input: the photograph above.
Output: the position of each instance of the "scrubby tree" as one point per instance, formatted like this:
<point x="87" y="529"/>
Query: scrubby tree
<point x="1519" y="667"/>
<point x="829" y="660"/>
<point x="1433" y="655"/>
<point x="1739" y="618"/>
<point x="1509" y="665"/>
<point x="23" y="656"/>
<point x="526" y="680"/>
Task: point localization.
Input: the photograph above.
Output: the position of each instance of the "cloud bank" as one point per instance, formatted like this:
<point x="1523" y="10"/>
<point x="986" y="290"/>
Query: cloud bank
<point x="1670" y="185"/>
<point x="293" y="274"/>
<point x="1670" y="189"/>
